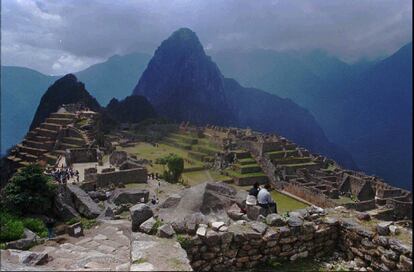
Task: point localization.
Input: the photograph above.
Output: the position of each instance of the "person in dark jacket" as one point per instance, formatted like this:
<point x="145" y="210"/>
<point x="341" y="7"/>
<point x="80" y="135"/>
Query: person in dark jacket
<point x="49" y="225"/>
<point x="254" y="190"/>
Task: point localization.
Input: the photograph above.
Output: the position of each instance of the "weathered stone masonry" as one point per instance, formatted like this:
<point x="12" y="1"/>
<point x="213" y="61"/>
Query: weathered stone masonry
<point x="248" y="245"/>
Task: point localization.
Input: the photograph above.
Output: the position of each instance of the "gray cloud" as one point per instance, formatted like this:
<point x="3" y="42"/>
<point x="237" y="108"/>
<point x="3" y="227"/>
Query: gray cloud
<point x="57" y="37"/>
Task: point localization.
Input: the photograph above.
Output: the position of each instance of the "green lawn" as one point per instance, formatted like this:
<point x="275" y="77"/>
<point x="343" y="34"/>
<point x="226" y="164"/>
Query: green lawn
<point x="286" y="203"/>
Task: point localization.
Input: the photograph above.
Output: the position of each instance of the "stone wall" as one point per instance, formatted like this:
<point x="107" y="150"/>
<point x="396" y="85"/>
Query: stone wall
<point x="401" y="209"/>
<point x="136" y="175"/>
<point x="81" y="155"/>
<point x="248" y="245"/>
<point x="374" y="252"/>
<point x="361" y="206"/>
<point x="243" y="245"/>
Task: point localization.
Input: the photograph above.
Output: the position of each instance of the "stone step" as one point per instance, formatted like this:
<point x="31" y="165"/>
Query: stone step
<point x="59" y="121"/>
<point x="51" y="126"/>
<point x="50" y="158"/>
<point x="48" y="145"/>
<point x="46" y="132"/>
<point x="31" y="150"/>
<point x="73" y="140"/>
<point x="58" y="152"/>
<point x="28" y="157"/>
<point x="67" y="115"/>
<point x="14" y="159"/>
<point x="65" y="146"/>
<point x="34" y="136"/>
<point x="24" y="163"/>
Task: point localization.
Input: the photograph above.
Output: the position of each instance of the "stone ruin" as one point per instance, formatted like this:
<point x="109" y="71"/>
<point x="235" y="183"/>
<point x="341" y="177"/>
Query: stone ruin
<point x="312" y="177"/>
<point x="59" y="132"/>
<point x="127" y="170"/>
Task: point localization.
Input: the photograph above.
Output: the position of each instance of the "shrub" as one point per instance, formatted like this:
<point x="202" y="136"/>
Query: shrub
<point x="11" y="228"/>
<point x="175" y="167"/>
<point x="28" y="191"/>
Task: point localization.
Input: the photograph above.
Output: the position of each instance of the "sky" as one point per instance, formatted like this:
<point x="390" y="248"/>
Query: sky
<point x="58" y="37"/>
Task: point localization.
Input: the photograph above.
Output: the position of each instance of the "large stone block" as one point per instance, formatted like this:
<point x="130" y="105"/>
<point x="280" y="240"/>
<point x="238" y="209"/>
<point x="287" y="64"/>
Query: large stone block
<point x="83" y="202"/>
<point x="139" y="214"/>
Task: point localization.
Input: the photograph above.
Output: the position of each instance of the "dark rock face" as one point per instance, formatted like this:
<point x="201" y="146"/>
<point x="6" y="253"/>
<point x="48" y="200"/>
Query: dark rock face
<point x="65" y="90"/>
<point x="184" y="84"/>
<point x="133" y="109"/>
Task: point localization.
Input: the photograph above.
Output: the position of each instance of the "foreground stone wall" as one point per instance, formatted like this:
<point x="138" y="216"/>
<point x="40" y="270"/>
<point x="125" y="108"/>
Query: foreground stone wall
<point x="244" y="245"/>
<point x="248" y="245"/>
<point x="372" y="251"/>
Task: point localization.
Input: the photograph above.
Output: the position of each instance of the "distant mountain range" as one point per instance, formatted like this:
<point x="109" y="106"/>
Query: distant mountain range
<point x="365" y="107"/>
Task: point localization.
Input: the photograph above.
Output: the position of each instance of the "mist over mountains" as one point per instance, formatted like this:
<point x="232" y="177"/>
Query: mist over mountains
<point x="364" y="108"/>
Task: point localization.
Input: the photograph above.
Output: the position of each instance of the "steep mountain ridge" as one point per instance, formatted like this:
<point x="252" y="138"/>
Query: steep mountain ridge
<point x="183" y="83"/>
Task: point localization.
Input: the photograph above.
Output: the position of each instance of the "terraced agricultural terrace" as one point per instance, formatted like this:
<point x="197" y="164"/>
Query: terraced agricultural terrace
<point x="202" y="155"/>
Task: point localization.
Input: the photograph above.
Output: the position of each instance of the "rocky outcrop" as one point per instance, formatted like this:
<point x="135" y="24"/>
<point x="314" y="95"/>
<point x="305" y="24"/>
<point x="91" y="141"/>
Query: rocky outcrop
<point x="211" y="200"/>
<point x="83" y="202"/>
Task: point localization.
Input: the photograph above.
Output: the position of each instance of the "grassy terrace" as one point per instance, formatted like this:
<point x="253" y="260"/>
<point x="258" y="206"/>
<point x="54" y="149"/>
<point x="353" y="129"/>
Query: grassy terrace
<point x="300" y="164"/>
<point x="281" y="153"/>
<point x="150" y="152"/>
<point x="246" y="161"/>
<point x="286" y="203"/>
<point x="238" y="175"/>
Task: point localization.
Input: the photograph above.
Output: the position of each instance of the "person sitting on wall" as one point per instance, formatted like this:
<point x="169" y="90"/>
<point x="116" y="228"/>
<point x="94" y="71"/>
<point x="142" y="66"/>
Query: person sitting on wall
<point x="255" y="189"/>
<point x="265" y="200"/>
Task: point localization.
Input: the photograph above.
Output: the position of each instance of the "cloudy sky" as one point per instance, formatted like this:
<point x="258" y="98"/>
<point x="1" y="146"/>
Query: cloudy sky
<point x="57" y="37"/>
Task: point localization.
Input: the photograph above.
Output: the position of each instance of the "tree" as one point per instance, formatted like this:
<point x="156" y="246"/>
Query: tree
<point x="28" y="191"/>
<point x="175" y="167"/>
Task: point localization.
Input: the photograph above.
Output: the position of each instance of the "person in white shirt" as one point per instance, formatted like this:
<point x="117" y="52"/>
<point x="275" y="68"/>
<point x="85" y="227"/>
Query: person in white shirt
<point x="264" y="199"/>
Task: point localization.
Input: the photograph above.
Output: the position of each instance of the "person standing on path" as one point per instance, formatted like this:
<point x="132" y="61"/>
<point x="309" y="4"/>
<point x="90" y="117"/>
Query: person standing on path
<point x="50" y="222"/>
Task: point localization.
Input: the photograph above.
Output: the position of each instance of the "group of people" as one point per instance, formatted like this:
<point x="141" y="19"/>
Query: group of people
<point x="262" y="197"/>
<point x="62" y="175"/>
